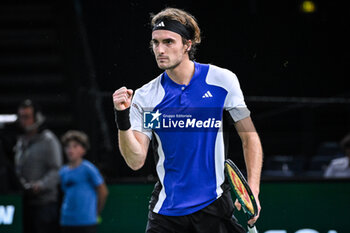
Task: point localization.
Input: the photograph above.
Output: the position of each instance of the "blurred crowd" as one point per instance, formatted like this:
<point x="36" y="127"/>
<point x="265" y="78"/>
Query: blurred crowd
<point x="71" y="196"/>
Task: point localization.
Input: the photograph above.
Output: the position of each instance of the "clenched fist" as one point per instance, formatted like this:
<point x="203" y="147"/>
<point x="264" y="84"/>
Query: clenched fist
<point x="122" y="98"/>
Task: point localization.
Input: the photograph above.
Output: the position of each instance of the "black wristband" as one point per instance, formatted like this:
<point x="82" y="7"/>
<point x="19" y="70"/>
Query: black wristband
<point x="122" y="119"/>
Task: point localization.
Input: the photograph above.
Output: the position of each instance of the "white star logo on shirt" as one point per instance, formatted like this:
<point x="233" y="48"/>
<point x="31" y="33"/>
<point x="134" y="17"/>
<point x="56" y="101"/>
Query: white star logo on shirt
<point x="156" y="115"/>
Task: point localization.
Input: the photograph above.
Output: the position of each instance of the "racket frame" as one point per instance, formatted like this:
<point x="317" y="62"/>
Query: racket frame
<point x="229" y="163"/>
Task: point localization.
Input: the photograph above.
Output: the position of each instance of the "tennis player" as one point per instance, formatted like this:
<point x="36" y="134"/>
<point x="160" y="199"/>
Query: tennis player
<point x="182" y="110"/>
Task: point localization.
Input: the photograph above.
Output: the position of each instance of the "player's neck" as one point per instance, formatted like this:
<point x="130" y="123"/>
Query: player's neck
<point x="182" y="74"/>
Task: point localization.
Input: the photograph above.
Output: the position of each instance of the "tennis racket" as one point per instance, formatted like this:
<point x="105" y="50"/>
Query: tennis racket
<point x="241" y="189"/>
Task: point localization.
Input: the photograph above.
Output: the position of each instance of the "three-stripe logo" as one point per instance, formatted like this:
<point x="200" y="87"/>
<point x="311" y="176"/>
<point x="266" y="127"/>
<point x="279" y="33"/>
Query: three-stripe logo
<point x="207" y="95"/>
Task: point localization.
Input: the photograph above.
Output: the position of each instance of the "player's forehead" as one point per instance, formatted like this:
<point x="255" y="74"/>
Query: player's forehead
<point x="165" y="34"/>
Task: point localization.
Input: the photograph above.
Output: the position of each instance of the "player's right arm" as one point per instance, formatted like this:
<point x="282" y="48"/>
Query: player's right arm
<point x="133" y="145"/>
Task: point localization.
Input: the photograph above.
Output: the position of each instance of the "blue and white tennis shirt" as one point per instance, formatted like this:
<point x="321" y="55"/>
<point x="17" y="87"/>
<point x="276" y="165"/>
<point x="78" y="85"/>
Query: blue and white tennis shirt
<point x="186" y="123"/>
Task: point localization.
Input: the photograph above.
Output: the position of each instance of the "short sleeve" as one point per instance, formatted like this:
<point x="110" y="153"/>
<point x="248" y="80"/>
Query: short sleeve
<point x="234" y="102"/>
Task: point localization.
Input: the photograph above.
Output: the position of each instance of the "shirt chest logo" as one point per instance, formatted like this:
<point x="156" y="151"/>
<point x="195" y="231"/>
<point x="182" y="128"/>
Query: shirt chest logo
<point x="207" y="95"/>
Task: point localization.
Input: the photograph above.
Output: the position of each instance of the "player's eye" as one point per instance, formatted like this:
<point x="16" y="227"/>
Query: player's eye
<point x="168" y="41"/>
<point x="154" y="43"/>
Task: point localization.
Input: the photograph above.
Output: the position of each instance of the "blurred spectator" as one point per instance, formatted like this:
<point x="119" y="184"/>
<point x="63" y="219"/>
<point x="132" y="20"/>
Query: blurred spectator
<point x="85" y="192"/>
<point x="340" y="167"/>
<point x="37" y="160"/>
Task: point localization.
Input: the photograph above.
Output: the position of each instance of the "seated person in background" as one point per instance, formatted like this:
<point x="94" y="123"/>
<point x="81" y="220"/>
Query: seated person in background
<point x="84" y="189"/>
<point x="340" y="167"/>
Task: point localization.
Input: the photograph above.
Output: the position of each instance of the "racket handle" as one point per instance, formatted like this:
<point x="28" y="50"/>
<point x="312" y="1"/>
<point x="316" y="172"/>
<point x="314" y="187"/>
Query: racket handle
<point x="252" y="229"/>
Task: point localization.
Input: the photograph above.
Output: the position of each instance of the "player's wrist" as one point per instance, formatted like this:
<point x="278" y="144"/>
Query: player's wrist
<point x="122" y="119"/>
<point x="255" y="191"/>
<point x="254" y="186"/>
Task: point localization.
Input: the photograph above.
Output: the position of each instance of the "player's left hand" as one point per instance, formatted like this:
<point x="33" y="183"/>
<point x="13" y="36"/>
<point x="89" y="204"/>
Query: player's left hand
<point x="252" y="221"/>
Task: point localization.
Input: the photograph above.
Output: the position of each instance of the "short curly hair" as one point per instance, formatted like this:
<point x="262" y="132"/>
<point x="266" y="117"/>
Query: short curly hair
<point x="77" y="136"/>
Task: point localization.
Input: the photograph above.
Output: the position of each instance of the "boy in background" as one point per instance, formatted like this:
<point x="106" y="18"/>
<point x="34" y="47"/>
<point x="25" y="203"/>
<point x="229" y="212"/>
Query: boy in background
<point x="84" y="189"/>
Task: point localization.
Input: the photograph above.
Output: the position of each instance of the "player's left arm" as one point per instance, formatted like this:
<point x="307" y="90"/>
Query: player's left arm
<point x="253" y="156"/>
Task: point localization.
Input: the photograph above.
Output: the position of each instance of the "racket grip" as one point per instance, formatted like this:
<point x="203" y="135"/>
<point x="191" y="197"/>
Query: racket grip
<point x="252" y="229"/>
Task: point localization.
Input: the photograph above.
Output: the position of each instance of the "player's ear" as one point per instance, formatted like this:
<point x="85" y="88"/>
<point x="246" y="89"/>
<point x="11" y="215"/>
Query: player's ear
<point x="151" y="47"/>
<point x="188" y="45"/>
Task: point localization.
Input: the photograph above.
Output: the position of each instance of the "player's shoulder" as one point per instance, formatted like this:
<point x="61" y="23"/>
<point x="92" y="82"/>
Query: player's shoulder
<point x="149" y="93"/>
<point x="220" y="70"/>
<point x="149" y="87"/>
<point x="221" y="76"/>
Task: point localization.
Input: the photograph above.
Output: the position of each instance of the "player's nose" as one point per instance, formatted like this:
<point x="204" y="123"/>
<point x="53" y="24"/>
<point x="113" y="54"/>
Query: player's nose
<point x="160" y="49"/>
